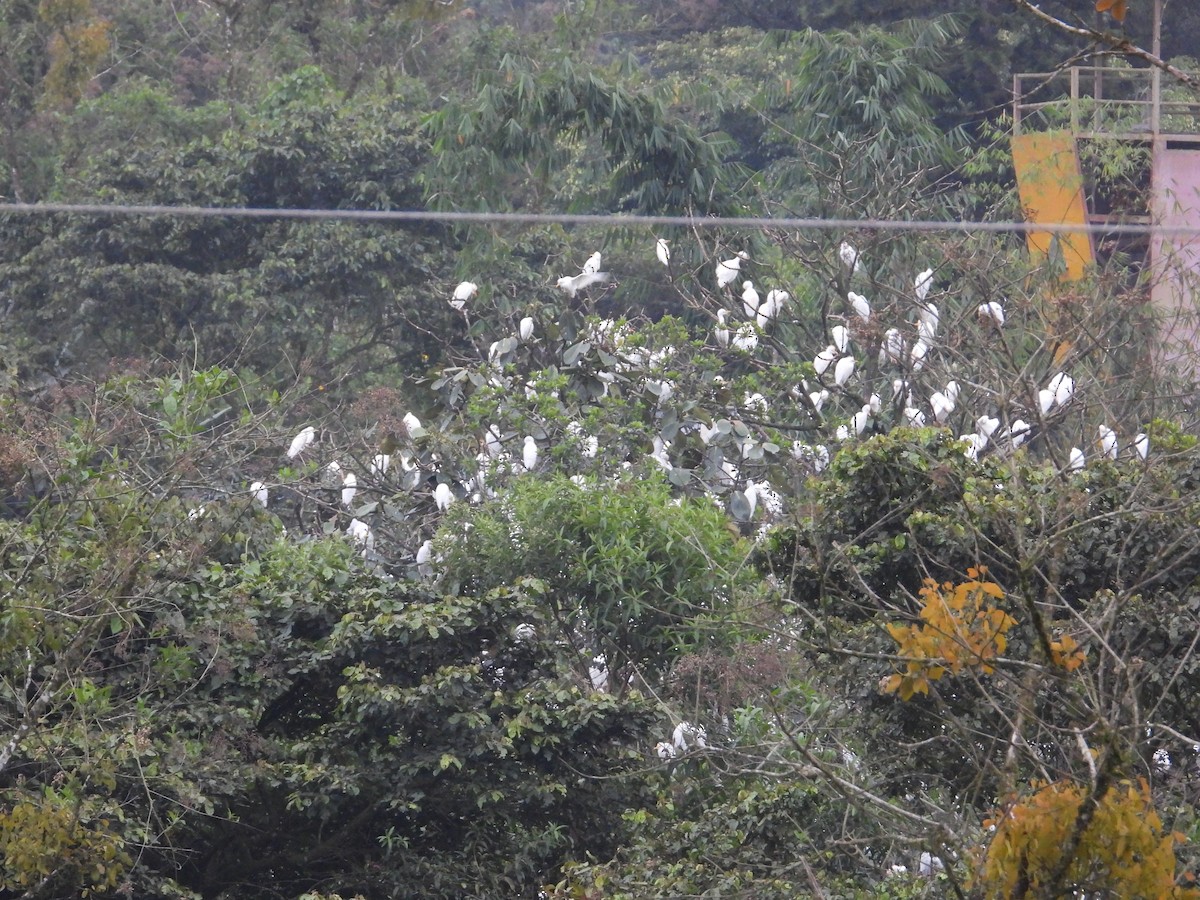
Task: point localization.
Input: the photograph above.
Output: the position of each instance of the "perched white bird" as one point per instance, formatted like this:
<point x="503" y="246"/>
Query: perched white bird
<point x="443" y="496"/>
<point x="1108" y="441"/>
<point x="349" y="489"/>
<point x="922" y="284"/>
<point x="859" y="304"/>
<point x="380" y="464"/>
<point x="860" y="420"/>
<point x="849" y="257"/>
<point x="258" y="491"/>
<point x="818" y="398"/>
<point x="361" y="532"/>
<point x="687" y="736"/>
<point x="991" y="313"/>
<point x="525" y="329"/>
<point x="919" y="351"/>
<point x="1076" y="460"/>
<point x="1141" y="445"/>
<point x="301" y="441"/>
<point x="750" y="299"/>
<point x="942" y="407"/>
<point x="892" y="348"/>
<point x="524" y="633"/>
<point x="464" y="292"/>
<point x="1062" y="386"/>
<point x="952" y="390"/>
<point x="874" y="404"/>
<point x="985" y="427"/>
<point x="492" y="442"/>
<point x="928" y="320"/>
<point x="841" y="337"/>
<point x="424" y="559"/>
<point x="975" y="443"/>
<point x="413" y="425"/>
<point x="573" y="285"/>
<point x="843" y="370"/>
<point x="664" y="750"/>
<point x="929" y="865"/>
<point x="727" y="270"/>
<point x="592" y="266"/>
<point x="529" y="453"/>
<point x="662" y="251"/>
<point x="1018" y="432"/>
<point x="914" y="417"/>
<point x="721" y="332"/>
<point x="772" y="306"/>
<point x="745" y="339"/>
<point x="1045" y="400"/>
<point x="826" y="358"/>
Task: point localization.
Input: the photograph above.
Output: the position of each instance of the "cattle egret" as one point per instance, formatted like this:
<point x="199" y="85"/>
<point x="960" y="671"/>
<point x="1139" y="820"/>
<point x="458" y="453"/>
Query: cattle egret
<point x="922" y="284"/>
<point x="985" y="427"/>
<point x="1108" y="441"/>
<point x="860" y="420"/>
<point x="919" y="351"/>
<point x="1076" y="460"/>
<point x="849" y="257"/>
<point x="859" y="304"/>
<point x="464" y="292"/>
<point x="529" y="453"/>
<point x="874" y="404"/>
<point x="841" y="337"/>
<point x="592" y="266"/>
<point x="727" y="270"/>
<point x="571" y="286"/>
<point x="720" y="332"/>
<point x="942" y="407"/>
<point x="991" y="313"/>
<point x="750" y="299"/>
<point x="443" y="496"/>
<point x="952" y="390"/>
<point x="412" y="424"/>
<point x="928" y="320"/>
<point x="914" y="417"/>
<point x="975" y="443"/>
<point x="524" y="633"/>
<point x="688" y="736"/>
<point x="929" y="865"/>
<point x="424" y="559"/>
<point x="1045" y="400"/>
<point x="301" y="441"/>
<point x="361" y="532"/>
<point x="826" y="358"/>
<point x="751" y="495"/>
<point x="745" y="339"/>
<point x="818" y="398"/>
<point x="380" y="464"/>
<point x="1141" y="445"/>
<point x="1062" y="386"/>
<point x="772" y="306"/>
<point x="1018" y="432"/>
<point x="843" y="370"/>
<point x="525" y="329"/>
<point x="258" y="491"/>
<point x="349" y="489"/>
<point x="491" y="441"/>
<point x="662" y="251"/>
<point x="664" y="750"/>
<point x="598" y="673"/>
<point x="892" y="348"/>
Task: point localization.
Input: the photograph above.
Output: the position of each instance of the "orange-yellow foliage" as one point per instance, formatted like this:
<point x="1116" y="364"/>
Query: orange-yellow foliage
<point x="1122" y="852"/>
<point x="959" y="629"/>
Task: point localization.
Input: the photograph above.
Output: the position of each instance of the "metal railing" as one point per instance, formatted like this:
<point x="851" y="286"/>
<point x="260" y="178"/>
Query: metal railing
<point x="1106" y="102"/>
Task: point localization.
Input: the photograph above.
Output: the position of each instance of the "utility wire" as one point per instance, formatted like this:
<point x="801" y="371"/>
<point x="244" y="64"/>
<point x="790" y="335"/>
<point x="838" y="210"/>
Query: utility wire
<point x="605" y="219"/>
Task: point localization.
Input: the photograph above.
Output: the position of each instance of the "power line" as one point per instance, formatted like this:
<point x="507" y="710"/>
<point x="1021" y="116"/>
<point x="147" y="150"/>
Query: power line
<point x="603" y="219"/>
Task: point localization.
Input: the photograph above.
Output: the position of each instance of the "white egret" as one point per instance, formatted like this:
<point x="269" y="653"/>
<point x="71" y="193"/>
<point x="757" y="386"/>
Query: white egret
<point x="860" y="420"/>
<point x="727" y="270"/>
<point x="1108" y="441"/>
<point x="900" y="389"/>
<point x="942" y="407"/>
<point x="874" y="404"/>
<point x="892" y="348"/>
<point x="849" y="257"/>
<point x="1076" y="460"/>
<point x="772" y="306"/>
<point x="826" y="358"/>
<point x="914" y="417"/>
<point x="571" y="286"/>
<point x="259" y="492"/>
<point x="662" y="251"/>
<point x="929" y="864"/>
<point x="1018" y="432"/>
<point x="1141" y="444"/>
<point x="301" y="441"/>
<point x="687" y="736"/>
<point x="745" y="339"/>
<point x="928" y="320"/>
<point x="413" y="425"/>
<point x="525" y="329"/>
<point x="841" y="337"/>
<point x="843" y="370"/>
<point x="362" y="534"/>
<point x="529" y="453"/>
<point x="975" y="443"/>
<point x="751" y="495"/>
<point x="818" y="398"/>
<point x="443" y="496"/>
<point x="196" y="512"/>
<point x="380" y="464"/>
<point x="750" y="299"/>
<point x="424" y="559"/>
<point x="991" y="313"/>
<point x="524" y="633"/>
<point x="464" y="292"/>
<point x="598" y="673"/>
<point x="919" y="351"/>
<point x="349" y="489"/>
<point x="922" y="284"/>
<point x="859" y="304"/>
<point x="952" y="390"/>
<point x="721" y="332"/>
<point x="664" y="750"/>
<point x="491" y="440"/>
<point x="985" y="427"/>
<point x="1045" y="400"/>
<point x="1062" y="386"/>
<point x="592" y="266"/>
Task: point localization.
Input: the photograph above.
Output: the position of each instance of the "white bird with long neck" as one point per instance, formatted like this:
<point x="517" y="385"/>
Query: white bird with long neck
<point x="843" y="370"/>
<point x="859" y="304"/>
<point x="841" y="337"/>
<point x="663" y="251"/>
<point x="745" y="339"/>
<point x="721" y="331"/>
<point x="849" y="257"/>
<point x="922" y="284"/>
<point x="892" y="349"/>
<point x="727" y="270"/>
<point x="464" y="292"/>
<point x="349" y="489"/>
<point x="592" y="266"/>
<point x="750" y="301"/>
<point x="525" y="329"/>
<point x="529" y="453"/>
<point x="259" y="492"/>
<point x="826" y="358"/>
<point x="301" y="441"/>
<point x="572" y="285"/>
<point x="1107" y="439"/>
<point x="991" y="313"/>
<point x="443" y="496"/>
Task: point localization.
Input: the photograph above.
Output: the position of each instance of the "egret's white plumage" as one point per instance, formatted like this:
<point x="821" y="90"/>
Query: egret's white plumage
<point x="826" y="358"/>
<point x="892" y="348"/>
<point x="1062" y="386"/>
<point x="259" y="492"/>
<point x="859" y="304"/>
<point x="1076" y="460"/>
<point x="1141" y="445"/>
<point x="525" y="329"/>
<point x="1108" y="441"/>
<point x="349" y="489"/>
<point x="922" y="284"/>
<point x="991" y="313"/>
<point x="745" y="338"/>
<point x="529" y="453"/>
<point x="849" y="257"/>
<point x="662" y="251"/>
<point x="443" y="496"/>
<point x="464" y="292"/>
<point x="721" y="332"/>
<point x="841" y="337"/>
<point x="301" y="441"/>
<point x="361" y="532"/>
<point x="572" y="285"/>
<point x="750" y="299"/>
<point x="380" y="464"/>
<point x="727" y="270"/>
<point x="592" y="266"/>
<point x="843" y="370"/>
